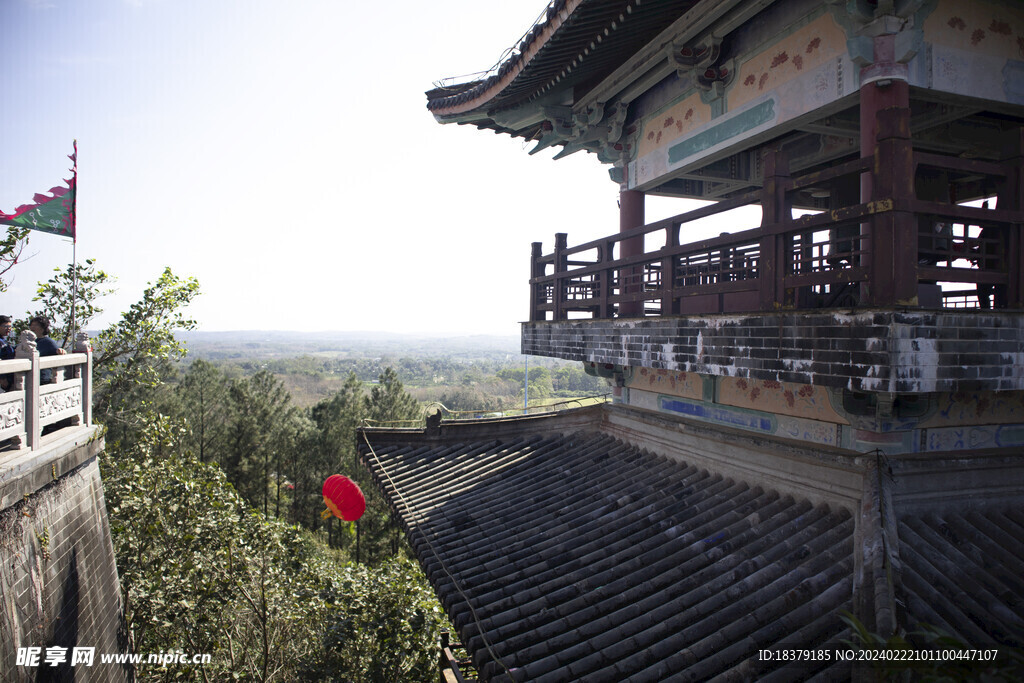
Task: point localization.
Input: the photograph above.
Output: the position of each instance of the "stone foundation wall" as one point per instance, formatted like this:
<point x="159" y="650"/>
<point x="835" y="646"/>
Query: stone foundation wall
<point x="58" y="581"/>
<point x="869" y="351"/>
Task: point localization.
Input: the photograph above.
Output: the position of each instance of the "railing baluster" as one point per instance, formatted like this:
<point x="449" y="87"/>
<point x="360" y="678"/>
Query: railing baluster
<point x="561" y="276"/>
<point x="27" y="349"/>
<point x="860" y="251"/>
<point x="85" y="372"/>
<point x="536" y="271"/>
<point x="772" y="268"/>
<point x="668" y="272"/>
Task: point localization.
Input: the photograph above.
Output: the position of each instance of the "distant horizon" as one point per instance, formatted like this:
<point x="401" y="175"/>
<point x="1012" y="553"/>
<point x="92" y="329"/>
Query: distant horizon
<point x="314" y="205"/>
<point x="374" y="333"/>
<point x="237" y="143"/>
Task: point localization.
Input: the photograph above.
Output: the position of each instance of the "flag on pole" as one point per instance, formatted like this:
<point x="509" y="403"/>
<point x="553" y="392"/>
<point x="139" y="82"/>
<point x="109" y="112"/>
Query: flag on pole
<point x="54" y="214"/>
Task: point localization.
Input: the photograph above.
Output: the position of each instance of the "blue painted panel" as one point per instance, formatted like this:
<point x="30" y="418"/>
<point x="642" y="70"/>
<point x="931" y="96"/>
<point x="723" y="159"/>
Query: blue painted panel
<point x="734" y="126"/>
<point x="1013" y="81"/>
<point x="1010" y="435"/>
<point x="726" y="416"/>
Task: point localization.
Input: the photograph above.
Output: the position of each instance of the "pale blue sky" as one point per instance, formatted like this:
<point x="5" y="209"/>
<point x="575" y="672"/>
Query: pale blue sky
<point x="282" y="154"/>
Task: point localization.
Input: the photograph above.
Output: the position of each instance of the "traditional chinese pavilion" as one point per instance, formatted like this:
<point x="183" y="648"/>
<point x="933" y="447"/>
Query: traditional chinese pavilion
<point x="817" y="414"/>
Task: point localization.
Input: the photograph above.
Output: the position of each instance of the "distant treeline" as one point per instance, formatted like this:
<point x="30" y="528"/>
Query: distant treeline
<point x="251" y="345"/>
<point x="461" y="385"/>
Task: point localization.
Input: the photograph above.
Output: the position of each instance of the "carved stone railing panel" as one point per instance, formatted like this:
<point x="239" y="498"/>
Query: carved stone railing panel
<point x="60" y="404"/>
<point x="27" y="404"/>
<point x="12" y="416"/>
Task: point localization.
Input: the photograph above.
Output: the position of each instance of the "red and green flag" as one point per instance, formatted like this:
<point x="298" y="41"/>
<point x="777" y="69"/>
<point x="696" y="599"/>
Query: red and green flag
<point x="54" y="214"/>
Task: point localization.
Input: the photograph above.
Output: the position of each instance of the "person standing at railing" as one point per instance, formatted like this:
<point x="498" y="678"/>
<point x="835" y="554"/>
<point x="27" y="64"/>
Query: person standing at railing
<point x="40" y="326"/>
<point x="935" y="235"/>
<point x="988" y="252"/>
<point x="6" y="349"/>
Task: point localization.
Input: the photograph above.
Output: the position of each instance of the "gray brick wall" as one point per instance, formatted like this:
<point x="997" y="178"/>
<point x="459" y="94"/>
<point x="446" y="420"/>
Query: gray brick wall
<point x="58" y="580"/>
<point x="876" y="351"/>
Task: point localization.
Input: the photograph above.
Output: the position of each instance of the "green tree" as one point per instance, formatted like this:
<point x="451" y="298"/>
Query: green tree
<point x="11" y="246"/>
<point x="540" y="383"/>
<point x="387" y="627"/>
<point x="512" y="374"/>
<point x="262" y="436"/>
<point x="56" y="294"/>
<point x="131" y="357"/>
<point x="135" y="354"/>
<point x="377" y="532"/>
<point x="203" y="399"/>
<point x="201" y="569"/>
<point x="201" y="572"/>
<point x="337" y="418"/>
<point x="390" y="402"/>
<point x="333" y="452"/>
<point x="464" y="399"/>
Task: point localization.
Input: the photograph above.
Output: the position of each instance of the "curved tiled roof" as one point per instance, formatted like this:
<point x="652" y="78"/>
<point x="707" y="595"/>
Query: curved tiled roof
<point x="562" y="553"/>
<point x="964" y="573"/>
<point x="568" y="47"/>
<point x="581" y="557"/>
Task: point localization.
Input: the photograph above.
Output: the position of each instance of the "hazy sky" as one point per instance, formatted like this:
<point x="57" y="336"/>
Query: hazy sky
<point x="282" y="153"/>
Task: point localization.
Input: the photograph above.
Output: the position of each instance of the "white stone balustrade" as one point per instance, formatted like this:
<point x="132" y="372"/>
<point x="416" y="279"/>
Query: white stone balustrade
<point x="27" y="405"/>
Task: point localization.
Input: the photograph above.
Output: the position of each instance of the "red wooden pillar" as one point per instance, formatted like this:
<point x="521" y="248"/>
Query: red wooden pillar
<point x="561" y="279"/>
<point x="775" y="215"/>
<point x="536" y="271"/>
<point x="1011" y="197"/>
<point x="668" y="273"/>
<point x="631" y="215"/>
<point x="892" y="235"/>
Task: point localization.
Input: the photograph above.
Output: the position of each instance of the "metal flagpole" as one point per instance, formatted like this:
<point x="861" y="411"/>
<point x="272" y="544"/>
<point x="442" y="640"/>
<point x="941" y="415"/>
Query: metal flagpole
<point x="74" y="288"/>
<point x="74" y="251"/>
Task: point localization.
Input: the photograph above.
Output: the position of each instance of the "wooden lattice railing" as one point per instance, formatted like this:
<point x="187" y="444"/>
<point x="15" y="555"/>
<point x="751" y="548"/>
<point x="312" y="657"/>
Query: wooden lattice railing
<point x="889" y="251"/>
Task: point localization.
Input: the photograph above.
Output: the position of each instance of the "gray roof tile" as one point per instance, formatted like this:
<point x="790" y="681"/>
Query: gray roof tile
<point x="585" y="558"/>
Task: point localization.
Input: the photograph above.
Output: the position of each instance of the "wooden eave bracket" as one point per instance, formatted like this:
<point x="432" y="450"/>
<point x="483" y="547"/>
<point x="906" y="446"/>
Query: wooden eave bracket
<point x="597" y="124"/>
<point x="600" y="137"/>
<point x="695" y="56"/>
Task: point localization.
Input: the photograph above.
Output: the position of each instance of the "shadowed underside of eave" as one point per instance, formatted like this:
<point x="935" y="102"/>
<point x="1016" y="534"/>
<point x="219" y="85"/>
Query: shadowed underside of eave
<point x="577" y="46"/>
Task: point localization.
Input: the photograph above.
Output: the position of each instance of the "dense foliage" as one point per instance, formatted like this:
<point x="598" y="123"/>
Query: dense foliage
<point x="213" y="476"/>
<point x="204" y="572"/>
<point x="212" y="483"/>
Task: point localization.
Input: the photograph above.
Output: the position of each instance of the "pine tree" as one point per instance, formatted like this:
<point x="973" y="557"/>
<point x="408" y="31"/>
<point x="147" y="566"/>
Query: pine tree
<point x="203" y="394"/>
<point x="390" y="402"/>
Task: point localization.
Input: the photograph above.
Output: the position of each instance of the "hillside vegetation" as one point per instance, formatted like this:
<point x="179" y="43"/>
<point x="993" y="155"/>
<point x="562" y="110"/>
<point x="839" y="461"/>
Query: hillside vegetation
<point x="213" y="473"/>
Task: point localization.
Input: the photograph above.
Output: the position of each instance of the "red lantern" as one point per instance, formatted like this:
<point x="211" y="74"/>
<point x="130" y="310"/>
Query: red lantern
<point x="344" y="498"/>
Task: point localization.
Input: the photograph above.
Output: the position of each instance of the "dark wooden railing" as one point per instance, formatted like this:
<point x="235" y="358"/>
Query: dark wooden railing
<point x="888" y="251"/>
<point x="449" y="665"/>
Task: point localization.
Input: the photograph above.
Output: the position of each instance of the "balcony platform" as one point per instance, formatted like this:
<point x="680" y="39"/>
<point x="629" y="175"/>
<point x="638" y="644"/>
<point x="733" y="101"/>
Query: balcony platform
<point x="879" y="351"/>
<point x="24" y="471"/>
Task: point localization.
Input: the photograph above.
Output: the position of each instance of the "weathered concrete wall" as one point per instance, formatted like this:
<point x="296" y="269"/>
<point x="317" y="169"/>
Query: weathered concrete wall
<point x="870" y="351"/>
<point x="59" y="587"/>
